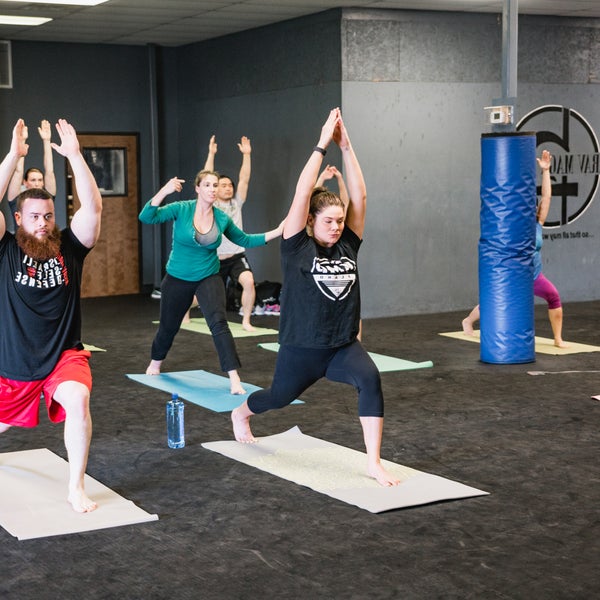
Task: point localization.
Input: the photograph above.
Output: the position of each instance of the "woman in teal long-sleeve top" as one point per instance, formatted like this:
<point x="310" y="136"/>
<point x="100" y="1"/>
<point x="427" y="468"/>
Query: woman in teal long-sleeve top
<point x="193" y="268"/>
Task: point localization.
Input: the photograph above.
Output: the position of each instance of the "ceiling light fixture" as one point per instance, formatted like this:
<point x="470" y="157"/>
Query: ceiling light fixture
<point x="31" y="21"/>
<point x="73" y="2"/>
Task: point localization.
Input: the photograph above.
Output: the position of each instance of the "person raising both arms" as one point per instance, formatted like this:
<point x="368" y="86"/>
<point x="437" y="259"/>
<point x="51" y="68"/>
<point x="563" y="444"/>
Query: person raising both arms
<point x="33" y="177"/>
<point x="232" y="257"/>
<point x="542" y="287"/>
<point x="193" y="268"/>
<point x="320" y="310"/>
<point x="331" y="172"/>
<point x="40" y="287"/>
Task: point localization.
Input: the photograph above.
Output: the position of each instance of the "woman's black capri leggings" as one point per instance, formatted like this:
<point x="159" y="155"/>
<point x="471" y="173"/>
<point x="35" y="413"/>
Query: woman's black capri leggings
<point x="298" y="368"/>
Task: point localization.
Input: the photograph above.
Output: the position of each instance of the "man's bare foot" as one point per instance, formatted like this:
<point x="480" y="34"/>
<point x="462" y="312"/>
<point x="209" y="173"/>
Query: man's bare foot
<point x="467" y="326"/>
<point x="247" y="326"/>
<point x="80" y="502"/>
<point x="154" y="367"/>
<point x="561" y="344"/>
<point x="381" y="475"/>
<point x="241" y="428"/>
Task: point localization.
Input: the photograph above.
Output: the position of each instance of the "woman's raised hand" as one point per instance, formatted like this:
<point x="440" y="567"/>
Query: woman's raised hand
<point x="329" y="127"/>
<point x="340" y="135"/>
<point x="173" y="185"/>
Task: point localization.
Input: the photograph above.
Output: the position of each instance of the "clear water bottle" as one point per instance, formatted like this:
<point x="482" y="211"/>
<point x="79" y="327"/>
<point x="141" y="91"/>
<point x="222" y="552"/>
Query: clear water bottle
<point x="175" y="423"/>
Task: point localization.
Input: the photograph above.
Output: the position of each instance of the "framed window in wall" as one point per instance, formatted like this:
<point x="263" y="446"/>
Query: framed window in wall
<point x="109" y="168"/>
<point x="6" y="75"/>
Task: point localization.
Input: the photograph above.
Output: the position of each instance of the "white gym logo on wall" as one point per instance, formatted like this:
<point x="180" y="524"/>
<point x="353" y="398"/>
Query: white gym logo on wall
<point x="575" y="169"/>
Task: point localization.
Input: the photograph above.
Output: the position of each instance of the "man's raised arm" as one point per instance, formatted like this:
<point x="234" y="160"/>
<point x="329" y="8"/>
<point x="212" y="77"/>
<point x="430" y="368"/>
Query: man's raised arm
<point x="245" y="169"/>
<point x="86" y="221"/>
<point x="18" y="149"/>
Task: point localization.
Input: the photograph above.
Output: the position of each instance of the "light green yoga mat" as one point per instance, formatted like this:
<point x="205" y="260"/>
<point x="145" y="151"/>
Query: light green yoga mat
<point x="384" y="363"/>
<point x="92" y="348"/>
<point x="200" y="326"/>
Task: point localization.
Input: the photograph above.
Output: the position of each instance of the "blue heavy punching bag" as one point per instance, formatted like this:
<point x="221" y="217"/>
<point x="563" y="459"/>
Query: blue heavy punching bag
<point x="506" y="247"/>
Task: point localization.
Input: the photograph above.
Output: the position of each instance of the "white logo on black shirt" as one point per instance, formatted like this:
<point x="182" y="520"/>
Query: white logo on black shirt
<point x="334" y="277"/>
<point x="47" y="274"/>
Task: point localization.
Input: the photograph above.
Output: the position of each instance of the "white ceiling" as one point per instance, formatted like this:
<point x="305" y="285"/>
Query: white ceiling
<point x="179" y="22"/>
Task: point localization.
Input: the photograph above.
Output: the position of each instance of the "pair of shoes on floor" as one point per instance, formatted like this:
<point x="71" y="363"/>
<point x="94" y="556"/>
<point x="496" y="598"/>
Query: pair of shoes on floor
<point x="272" y="309"/>
<point x="155" y="295"/>
<point x="267" y="309"/>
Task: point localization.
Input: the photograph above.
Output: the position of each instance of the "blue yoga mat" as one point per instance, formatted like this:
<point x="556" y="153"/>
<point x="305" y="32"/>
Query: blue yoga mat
<point x="383" y="363"/>
<point x="199" y="387"/>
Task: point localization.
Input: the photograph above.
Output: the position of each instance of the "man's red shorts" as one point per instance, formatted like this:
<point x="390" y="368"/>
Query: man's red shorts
<point x="20" y="400"/>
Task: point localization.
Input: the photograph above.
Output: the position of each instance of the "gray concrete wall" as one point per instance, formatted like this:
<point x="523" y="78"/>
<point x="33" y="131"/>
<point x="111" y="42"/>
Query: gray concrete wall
<point x="413" y="91"/>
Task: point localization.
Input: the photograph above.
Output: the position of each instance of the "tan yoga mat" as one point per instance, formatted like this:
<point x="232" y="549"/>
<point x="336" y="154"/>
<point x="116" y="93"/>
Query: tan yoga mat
<point x="340" y="472"/>
<point x="198" y="325"/>
<point x="542" y="345"/>
<point x="33" y="498"/>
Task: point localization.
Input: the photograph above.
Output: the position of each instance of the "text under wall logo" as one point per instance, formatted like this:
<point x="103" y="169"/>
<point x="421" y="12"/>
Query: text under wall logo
<point x="575" y="170"/>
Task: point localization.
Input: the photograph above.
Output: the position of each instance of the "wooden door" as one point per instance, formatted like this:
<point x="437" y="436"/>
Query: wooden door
<point x="112" y="268"/>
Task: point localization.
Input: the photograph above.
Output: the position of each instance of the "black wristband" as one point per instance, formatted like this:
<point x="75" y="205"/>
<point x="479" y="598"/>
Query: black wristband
<point x="319" y="149"/>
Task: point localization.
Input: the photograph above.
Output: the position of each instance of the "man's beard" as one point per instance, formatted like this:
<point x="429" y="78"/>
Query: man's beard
<point x="43" y="249"/>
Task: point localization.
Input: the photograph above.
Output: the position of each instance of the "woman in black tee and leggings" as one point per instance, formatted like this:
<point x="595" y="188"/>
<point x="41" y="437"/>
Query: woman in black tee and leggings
<point x="320" y="301"/>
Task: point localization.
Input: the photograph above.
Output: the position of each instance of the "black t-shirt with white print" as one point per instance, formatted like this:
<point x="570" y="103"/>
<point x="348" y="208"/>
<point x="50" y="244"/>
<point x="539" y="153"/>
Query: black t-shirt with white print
<point x="320" y="296"/>
<point x="40" y="307"/>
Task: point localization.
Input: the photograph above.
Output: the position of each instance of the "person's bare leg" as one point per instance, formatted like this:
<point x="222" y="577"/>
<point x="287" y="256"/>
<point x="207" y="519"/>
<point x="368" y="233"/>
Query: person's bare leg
<point x="359" y="335"/>
<point x="240" y="419"/>
<point x="235" y="383"/>
<point x="468" y="322"/>
<point x="246" y="280"/>
<point x="75" y="399"/>
<point x="372" y="432"/>
<point x="556" y="318"/>
<point x="154" y="367"/>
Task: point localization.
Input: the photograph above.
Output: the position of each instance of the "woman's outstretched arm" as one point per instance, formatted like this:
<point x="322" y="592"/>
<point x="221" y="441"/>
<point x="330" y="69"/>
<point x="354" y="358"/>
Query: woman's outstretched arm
<point x="298" y="213"/>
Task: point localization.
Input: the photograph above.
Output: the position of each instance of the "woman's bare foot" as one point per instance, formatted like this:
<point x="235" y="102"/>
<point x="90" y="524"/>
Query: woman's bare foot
<point x="186" y="318"/>
<point x="241" y="427"/>
<point x="467" y="326"/>
<point x="235" y="384"/>
<point x="561" y="344"/>
<point x="236" y="389"/>
<point x="246" y="325"/>
<point x="154" y="367"/>
<point x="80" y="502"/>
<point x="381" y="475"/>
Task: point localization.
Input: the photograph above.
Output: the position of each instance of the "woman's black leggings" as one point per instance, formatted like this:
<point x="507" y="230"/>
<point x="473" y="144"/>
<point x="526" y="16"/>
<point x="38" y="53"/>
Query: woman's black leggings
<point x="176" y="297"/>
<point x="298" y="368"/>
